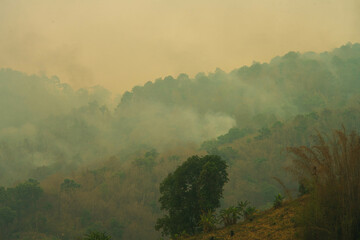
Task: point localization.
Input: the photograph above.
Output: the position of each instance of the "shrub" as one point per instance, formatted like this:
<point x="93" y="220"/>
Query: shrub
<point x="246" y="211"/>
<point x="230" y="215"/>
<point x="249" y="213"/>
<point x="208" y="221"/>
<point x="278" y="201"/>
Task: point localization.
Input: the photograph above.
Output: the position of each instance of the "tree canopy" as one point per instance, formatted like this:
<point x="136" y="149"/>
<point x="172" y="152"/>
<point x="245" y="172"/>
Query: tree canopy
<point x="193" y="188"/>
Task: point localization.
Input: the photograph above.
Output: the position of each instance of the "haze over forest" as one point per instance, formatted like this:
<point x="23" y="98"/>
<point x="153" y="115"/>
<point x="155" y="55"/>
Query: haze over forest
<point x="119" y="150"/>
<point x="100" y="101"/>
<point x="56" y="125"/>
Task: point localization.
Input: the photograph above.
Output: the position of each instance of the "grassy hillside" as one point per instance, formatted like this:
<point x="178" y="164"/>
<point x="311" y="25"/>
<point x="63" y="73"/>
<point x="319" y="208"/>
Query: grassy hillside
<point x="279" y="224"/>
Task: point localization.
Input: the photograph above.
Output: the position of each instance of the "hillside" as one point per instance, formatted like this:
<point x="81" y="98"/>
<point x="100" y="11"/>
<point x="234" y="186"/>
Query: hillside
<point x="96" y="161"/>
<point x="274" y="224"/>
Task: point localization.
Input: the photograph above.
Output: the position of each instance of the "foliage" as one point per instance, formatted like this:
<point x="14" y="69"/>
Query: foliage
<point x="233" y="134"/>
<point x="194" y="187"/>
<point x="242" y="205"/>
<point x="181" y="236"/>
<point x="69" y="185"/>
<point x="278" y="201"/>
<point x="230" y="215"/>
<point x="208" y="221"/>
<point x="263" y="133"/>
<point x="116" y="229"/>
<point x="7" y="216"/>
<point x="211" y="146"/>
<point x="85" y="218"/>
<point x="25" y="195"/>
<point x="332" y="170"/>
<point x="249" y="213"/>
<point x="16" y="204"/>
<point x="96" y="235"/>
<point x="148" y="161"/>
<point x="226" y="153"/>
<point x="246" y="211"/>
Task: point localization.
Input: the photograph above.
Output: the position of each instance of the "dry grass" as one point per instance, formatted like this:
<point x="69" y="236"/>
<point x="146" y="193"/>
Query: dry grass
<point x="331" y="170"/>
<point x="274" y="224"/>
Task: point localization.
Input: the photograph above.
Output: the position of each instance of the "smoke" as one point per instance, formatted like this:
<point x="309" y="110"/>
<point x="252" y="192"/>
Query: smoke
<point x="32" y="52"/>
<point x="47" y="126"/>
<point x="160" y="126"/>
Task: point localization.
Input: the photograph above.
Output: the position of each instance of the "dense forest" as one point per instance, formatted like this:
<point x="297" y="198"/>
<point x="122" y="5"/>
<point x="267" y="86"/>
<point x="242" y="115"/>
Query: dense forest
<point x="76" y="160"/>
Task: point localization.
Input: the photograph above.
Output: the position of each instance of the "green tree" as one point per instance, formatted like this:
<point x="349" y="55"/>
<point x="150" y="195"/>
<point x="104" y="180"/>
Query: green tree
<point x="7" y="217"/>
<point x="147" y="162"/>
<point x="263" y="133"/>
<point x="193" y="188"/>
<point x="25" y="195"/>
<point x="69" y="185"/>
<point x="233" y="134"/>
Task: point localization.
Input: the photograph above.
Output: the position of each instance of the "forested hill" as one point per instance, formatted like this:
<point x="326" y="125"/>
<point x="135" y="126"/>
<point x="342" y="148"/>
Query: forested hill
<point x="292" y="84"/>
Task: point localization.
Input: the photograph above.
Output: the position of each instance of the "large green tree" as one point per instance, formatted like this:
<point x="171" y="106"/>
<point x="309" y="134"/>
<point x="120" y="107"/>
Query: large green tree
<point x="193" y="188"/>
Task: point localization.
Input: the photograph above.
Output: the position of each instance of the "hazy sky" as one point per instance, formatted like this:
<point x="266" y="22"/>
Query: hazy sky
<point x="119" y="44"/>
